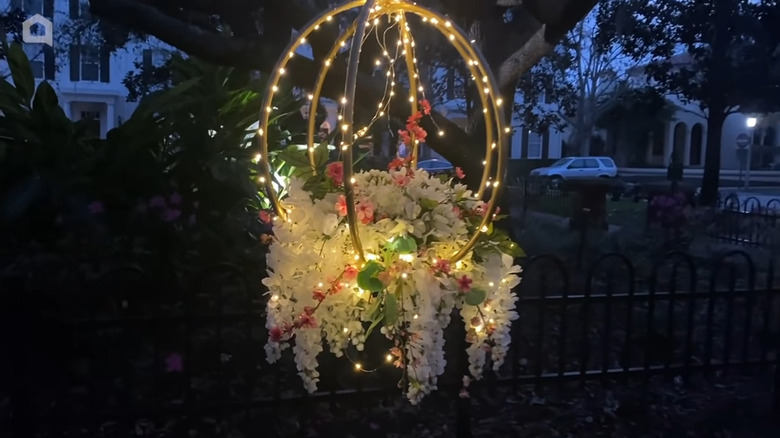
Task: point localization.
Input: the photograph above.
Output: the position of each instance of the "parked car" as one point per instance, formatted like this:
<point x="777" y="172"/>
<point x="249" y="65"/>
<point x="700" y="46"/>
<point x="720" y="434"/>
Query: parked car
<point x="577" y="168"/>
<point x="435" y="165"/>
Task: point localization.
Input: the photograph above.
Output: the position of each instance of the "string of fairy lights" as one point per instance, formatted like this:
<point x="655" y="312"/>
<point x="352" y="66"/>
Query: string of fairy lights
<point x="380" y="18"/>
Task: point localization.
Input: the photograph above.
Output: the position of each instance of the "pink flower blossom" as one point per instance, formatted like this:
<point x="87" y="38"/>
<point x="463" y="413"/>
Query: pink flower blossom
<point x="174" y="363"/>
<point x="397" y="163"/>
<point x="95" y="207"/>
<point x="308" y="310"/>
<point x="400" y="179"/>
<point x="171" y="214"/>
<point x="318" y="295"/>
<point x="341" y="206"/>
<point x="457" y="212"/>
<point x="265" y="217"/>
<point x="464" y="284"/>
<point x="442" y="266"/>
<point x="426" y="107"/>
<point x="335" y="171"/>
<point x="386" y="277"/>
<point x="405" y="137"/>
<point x="157" y="201"/>
<point x="459" y="173"/>
<point x="307" y="321"/>
<point x="365" y="212"/>
<point x="350" y="273"/>
<point x="275" y="334"/>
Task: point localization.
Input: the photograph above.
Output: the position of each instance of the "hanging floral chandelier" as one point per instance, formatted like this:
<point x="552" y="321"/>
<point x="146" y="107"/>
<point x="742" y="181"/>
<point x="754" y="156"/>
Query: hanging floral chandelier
<point x="395" y="252"/>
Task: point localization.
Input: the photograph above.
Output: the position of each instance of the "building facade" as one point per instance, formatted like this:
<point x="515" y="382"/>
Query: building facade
<point x="686" y="133"/>
<point x="87" y="77"/>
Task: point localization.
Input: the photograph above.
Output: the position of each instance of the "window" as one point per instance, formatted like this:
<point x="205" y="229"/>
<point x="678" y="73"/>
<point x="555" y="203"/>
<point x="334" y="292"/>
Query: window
<point x="32" y="7"/>
<point x="517" y="144"/>
<point x="606" y="162"/>
<point x="591" y="163"/>
<point x="36" y="56"/>
<point x="534" y="145"/>
<point x="577" y="164"/>
<point x="90" y="63"/>
<point x="561" y="163"/>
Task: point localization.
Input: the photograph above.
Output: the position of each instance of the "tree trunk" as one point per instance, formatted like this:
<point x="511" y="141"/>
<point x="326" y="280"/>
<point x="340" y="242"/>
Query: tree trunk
<point x="711" y="178"/>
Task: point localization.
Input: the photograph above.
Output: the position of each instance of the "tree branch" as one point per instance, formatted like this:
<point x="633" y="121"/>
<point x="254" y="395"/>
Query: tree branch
<point x="209" y="46"/>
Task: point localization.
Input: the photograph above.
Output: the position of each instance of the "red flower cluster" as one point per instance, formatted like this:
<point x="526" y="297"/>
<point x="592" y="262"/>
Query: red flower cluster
<point x="413" y="127"/>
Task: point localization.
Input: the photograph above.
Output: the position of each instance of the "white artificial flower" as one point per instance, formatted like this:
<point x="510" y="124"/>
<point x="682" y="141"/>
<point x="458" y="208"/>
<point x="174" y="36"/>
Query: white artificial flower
<point x="314" y="301"/>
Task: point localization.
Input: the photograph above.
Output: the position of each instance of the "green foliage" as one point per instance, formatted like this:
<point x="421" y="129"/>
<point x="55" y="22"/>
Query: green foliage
<point x="171" y="189"/>
<point x="367" y="277"/>
<point x="404" y="245"/>
<point x="728" y="47"/>
<point x="475" y="297"/>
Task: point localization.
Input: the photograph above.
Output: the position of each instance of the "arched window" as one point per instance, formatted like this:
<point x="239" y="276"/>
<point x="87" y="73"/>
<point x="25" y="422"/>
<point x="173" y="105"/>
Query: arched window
<point x="769" y="136"/>
<point x="678" y="148"/>
<point x="697" y="143"/>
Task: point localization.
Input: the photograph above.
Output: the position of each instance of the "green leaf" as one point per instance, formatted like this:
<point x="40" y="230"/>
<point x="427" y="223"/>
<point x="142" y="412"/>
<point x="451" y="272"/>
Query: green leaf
<point x="405" y="245"/>
<point x="321" y="155"/>
<point x="511" y="248"/>
<point x="360" y="158"/>
<point x="391" y="309"/>
<point x="374" y="307"/>
<point x="475" y="297"/>
<point x="428" y="204"/>
<point x="21" y="72"/>
<point x="377" y="319"/>
<point x="45" y="98"/>
<point x="366" y="278"/>
<point x="294" y="157"/>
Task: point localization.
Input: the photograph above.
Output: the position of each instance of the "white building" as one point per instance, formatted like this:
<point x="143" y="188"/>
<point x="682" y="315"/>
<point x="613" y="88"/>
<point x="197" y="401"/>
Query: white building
<point x="526" y="144"/>
<point x="88" y="79"/>
<point x="687" y="132"/>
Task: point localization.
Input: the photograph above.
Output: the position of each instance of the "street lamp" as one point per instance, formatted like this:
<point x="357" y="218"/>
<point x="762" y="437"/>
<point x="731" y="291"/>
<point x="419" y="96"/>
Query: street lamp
<point x="751" y="123"/>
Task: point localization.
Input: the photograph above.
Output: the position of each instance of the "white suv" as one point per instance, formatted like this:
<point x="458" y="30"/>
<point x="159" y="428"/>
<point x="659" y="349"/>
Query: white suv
<point x="577" y="167"/>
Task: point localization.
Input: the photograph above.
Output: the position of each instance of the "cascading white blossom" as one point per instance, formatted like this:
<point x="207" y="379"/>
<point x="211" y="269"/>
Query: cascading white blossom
<point x="411" y="224"/>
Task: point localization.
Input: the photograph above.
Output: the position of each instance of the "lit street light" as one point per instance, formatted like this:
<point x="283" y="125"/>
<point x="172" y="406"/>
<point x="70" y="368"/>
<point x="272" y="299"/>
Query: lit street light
<point x="751" y="123"/>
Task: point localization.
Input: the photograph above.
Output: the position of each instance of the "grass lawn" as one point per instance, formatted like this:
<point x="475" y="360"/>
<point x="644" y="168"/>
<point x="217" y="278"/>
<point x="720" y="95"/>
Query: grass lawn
<point x="623" y="213"/>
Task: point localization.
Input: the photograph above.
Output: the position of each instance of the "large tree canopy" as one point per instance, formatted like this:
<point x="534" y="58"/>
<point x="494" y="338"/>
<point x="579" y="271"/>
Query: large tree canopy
<point x="252" y="33"/>
<point x="719" y="54"/>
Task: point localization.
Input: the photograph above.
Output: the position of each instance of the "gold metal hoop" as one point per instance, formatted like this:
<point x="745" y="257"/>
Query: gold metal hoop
<point x="496" y="129"/>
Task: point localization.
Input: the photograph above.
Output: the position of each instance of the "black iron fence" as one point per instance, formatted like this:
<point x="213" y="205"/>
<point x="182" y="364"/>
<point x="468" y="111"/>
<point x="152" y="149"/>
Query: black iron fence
<point x="122" y="355"/>
<point x="748" y="221"/>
